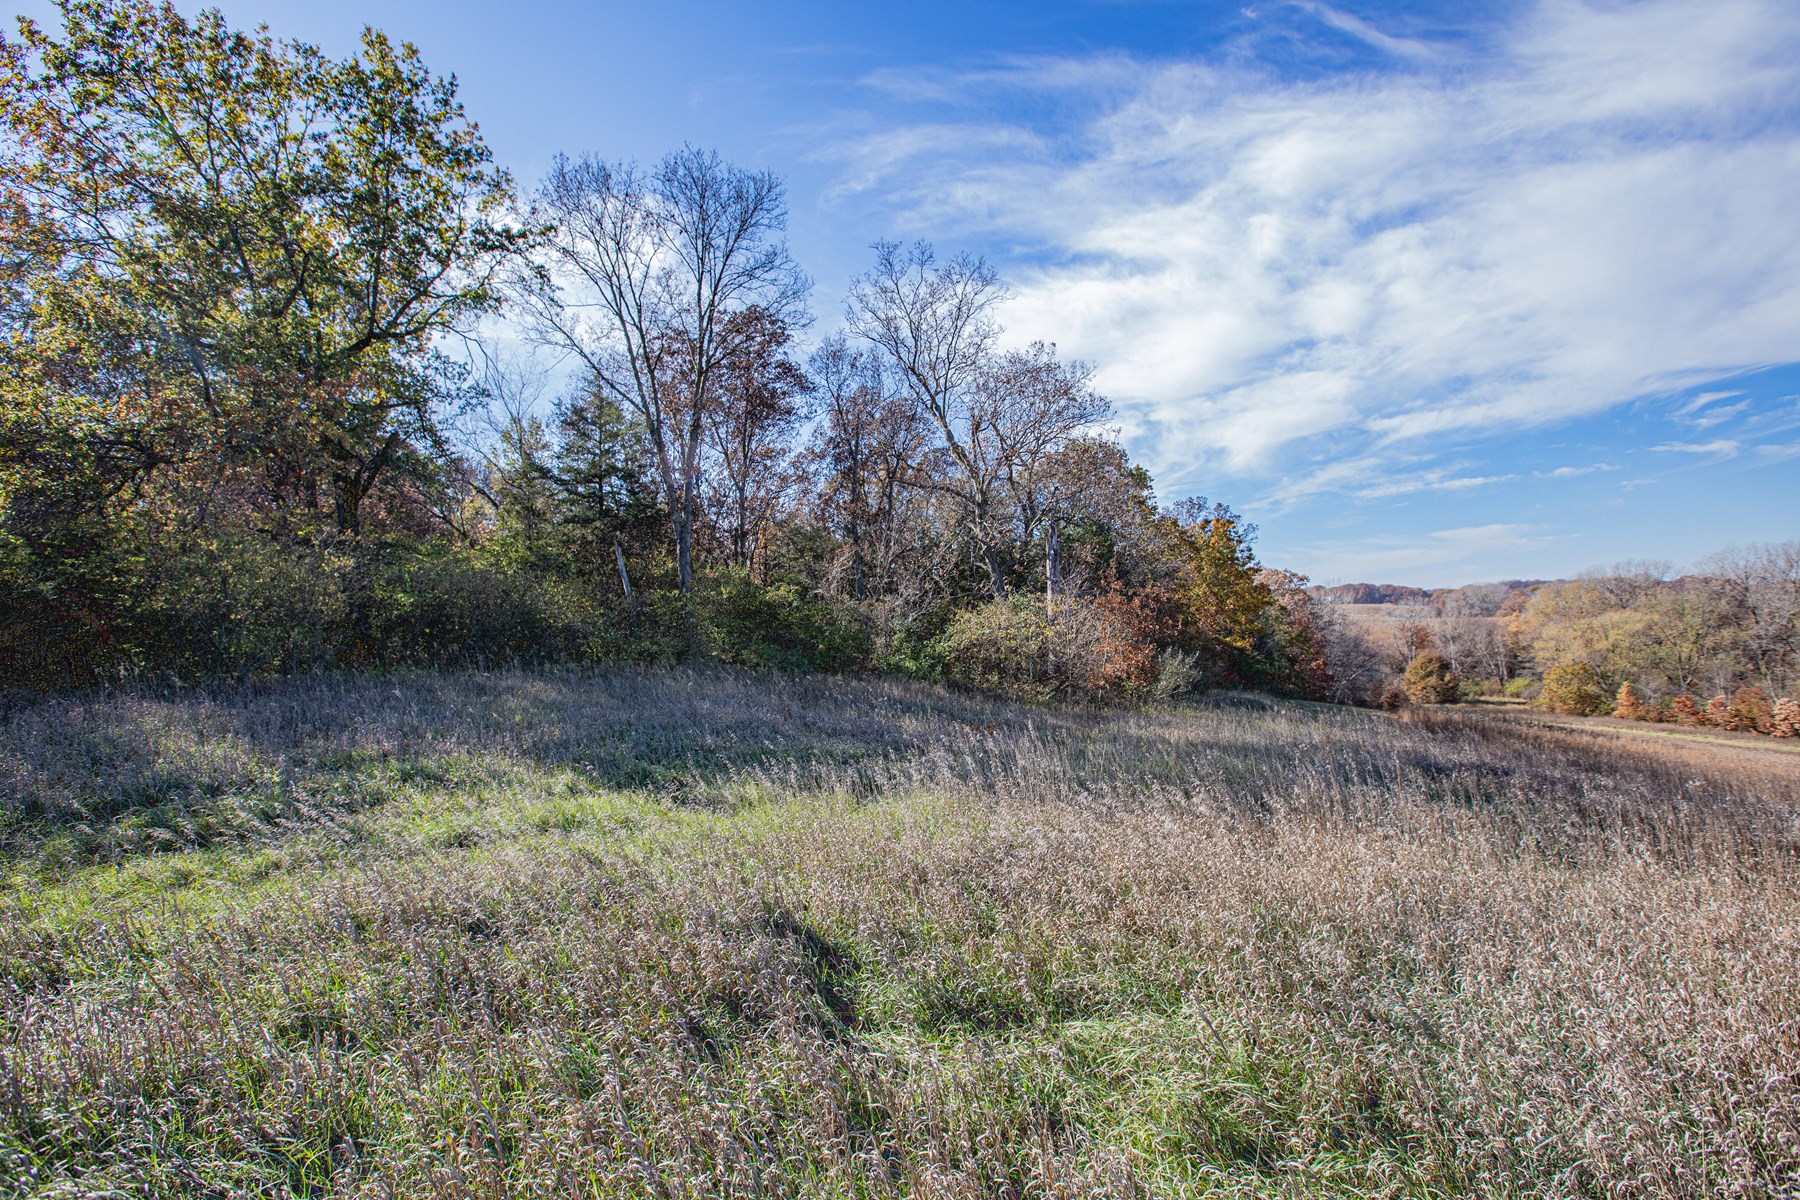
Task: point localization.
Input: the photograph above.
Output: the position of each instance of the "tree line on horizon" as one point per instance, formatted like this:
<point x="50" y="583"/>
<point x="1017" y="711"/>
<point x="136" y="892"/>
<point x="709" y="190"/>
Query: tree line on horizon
<point x="255" y="420"/>
<point x="1718" y="645"/>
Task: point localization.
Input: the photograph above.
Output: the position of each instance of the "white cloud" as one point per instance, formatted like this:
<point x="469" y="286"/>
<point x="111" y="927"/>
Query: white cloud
<point x="1702" y="400"/>
<point x="1772" y="452"/>
<point x="1408" y="486"/>
<point x="1366" y="33"/>
<point x="1723" y="448"/>
<point x="1572" y="472"/>
<point x="1718" y="416"/>
<point x="1354" y="270"/>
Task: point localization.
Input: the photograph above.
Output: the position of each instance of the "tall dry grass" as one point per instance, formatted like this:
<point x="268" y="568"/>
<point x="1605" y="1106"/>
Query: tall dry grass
<point x="697" y="934"/>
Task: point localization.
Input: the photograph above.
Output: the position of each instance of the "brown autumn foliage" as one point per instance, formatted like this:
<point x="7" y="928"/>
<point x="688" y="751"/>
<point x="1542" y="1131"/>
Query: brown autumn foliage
<point x="1750" y="711"/>
<point x="1573" y="689"/>
<point x="1628" y="707"/>
<point x="1429" y="680"/>
<point x="1784" y="718"/>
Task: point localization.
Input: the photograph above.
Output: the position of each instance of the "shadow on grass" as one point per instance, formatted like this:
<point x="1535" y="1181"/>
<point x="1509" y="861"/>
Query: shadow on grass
<point x="105" y="776"/>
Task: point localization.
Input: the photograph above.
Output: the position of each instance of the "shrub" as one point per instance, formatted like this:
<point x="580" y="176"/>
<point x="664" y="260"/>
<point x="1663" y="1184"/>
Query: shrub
<point x="1394" y="698"/>
<point x="239" y="605"/>
<point x="1429" y="680"/>
<point x="916" y="650"/>
<point x="1085" y="651"/>
<point x="747" y="624"/>
<point x="1178" y="672"/>
<point x="1478" y="689"/>
<point x="1628" y="707"/>
<point x="1001" y="647"/>
<point x="1718" y="712"/>
<point x="1573" y="689"/>
<point x="1784" y="718"/>
<point x="1683" y="711"/>
<point x="1750" y="711"/>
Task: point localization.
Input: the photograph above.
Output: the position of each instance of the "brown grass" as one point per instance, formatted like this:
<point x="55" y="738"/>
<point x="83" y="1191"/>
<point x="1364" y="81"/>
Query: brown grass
<point x="695" y="934"/>
<point x="1755" y="756"/>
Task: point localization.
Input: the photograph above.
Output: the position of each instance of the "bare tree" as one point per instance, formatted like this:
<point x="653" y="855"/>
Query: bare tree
<point x="1759" y="585"/>
<point x="1357" y="666"/>
<point x="761" y="406"/>
<point x="640" y="279"/>
<point x="997" y="415"/>
<point x="1031" y="407"/>
<point x="867" y="448"/>
<point x="1625" y="583"/>
<point x="933" y="324"/>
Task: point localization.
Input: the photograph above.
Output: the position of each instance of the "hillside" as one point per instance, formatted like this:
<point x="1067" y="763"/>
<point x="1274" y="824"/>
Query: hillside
<point x="698" y="933"/>
<point x="1400" y="593"/>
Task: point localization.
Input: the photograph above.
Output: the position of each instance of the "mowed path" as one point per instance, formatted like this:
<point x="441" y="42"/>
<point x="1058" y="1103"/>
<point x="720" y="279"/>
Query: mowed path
<point x="1709" y="749"/>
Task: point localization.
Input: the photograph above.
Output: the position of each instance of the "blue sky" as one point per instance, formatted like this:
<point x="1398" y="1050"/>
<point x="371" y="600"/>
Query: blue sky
<point x="1433" y="292"/>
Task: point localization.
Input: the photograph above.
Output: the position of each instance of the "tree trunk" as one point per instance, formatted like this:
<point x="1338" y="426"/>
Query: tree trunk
<point x="996" y="571"/>
<point x="684" y="548"/>
<point x="684" y="565"/>
<point x="624" y="575"/>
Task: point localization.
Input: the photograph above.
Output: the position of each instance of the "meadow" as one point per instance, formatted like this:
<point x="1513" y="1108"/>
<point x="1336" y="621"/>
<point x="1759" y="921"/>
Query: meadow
<point x="697" y="933"/>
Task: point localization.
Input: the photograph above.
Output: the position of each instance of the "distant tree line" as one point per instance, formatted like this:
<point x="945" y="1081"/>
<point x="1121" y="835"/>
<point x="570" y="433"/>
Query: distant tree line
<point x="254" y="420"/>
<point x="1718" y="645"/>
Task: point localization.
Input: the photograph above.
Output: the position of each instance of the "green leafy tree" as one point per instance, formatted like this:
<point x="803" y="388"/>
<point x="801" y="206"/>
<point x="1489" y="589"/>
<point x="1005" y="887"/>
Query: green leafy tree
<point x="225" y="265"/>
<point x="233" y="254"/>
<point x="1220" y="598"/>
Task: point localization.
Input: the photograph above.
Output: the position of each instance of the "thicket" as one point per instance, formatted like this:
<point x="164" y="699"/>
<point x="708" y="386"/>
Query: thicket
<point x="250" y="426"/>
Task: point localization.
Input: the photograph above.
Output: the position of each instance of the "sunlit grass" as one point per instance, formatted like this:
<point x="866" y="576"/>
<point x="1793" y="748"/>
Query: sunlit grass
<point x="696" y="934"/>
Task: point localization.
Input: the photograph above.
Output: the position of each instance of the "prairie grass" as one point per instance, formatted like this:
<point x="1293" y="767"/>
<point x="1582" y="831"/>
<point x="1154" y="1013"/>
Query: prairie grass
<point x="685" y="934"/>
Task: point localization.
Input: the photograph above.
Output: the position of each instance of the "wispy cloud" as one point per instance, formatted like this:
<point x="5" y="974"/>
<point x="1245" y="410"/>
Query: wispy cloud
<point x="1356" y="269"/>
<point x="1572" y="472"/>
<point x="1409" y="486"/>
<point x="1720" y="415"/>
<point x="1702" y="400"/>
<point x="1723" y="448"/>
<point x="1773" y="452"/>
<point x="1366" y="33"/>
<point x="1442" y="555"/>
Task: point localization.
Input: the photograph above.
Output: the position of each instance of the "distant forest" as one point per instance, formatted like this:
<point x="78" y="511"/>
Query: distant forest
<point x="1719" y="645"/>
<point x="278" y="398"/>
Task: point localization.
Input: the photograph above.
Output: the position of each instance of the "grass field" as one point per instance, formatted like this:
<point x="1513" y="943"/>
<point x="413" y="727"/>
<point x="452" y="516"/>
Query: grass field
<point x="1693" y="744"/>
<point x="700" y="934"/>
